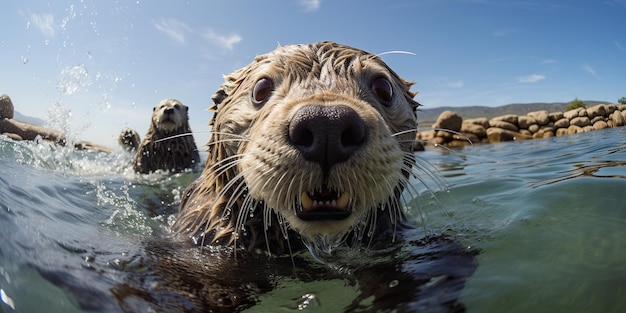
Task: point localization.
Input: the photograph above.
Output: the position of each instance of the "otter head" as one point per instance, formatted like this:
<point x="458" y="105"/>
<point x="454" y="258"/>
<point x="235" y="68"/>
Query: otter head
<point x="320" y="135"/>
<point x="169" y="116"/>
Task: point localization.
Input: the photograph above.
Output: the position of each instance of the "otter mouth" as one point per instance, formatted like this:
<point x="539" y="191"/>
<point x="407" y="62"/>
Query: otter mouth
<point x="324" y="204"/>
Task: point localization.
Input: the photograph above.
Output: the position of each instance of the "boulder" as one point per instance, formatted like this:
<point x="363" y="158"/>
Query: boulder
<point x="503" y="124"/>
<point x="600" y="125"/>
<point x="6" y="107"/>
<point x="570" y="114"/>
<point x="596" y="110"/>
<point x="617" y="118"/>
<point x="573" y="129"/>
<point x="446" y="135"/>
<point x="482" y="121"/>
<point x="475" y="129"/>
<point x="495" y="134"/>
<point x="524" y="121"/>
<point x="555" y="116"/>
<point x="562" y="123"/>
<point x="597" y="119"/>
<point x="580" y="121"/>
<point x="610" y="108"/>
<point x="541" y="117"/>
<point x="561" y="132"/>
<point x="449" y="120"/>
<point x="509" y="118"/>
<point x="533" y="128"/>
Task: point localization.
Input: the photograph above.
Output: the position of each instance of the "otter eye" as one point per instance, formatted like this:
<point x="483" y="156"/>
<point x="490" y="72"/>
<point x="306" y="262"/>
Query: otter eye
<point x="262" y="90"/>
<point x="382" y="88"/>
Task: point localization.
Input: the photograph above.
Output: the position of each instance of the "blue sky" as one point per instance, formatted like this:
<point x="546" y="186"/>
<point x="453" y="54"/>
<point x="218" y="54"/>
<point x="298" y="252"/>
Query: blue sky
<point x="94" y="67"/>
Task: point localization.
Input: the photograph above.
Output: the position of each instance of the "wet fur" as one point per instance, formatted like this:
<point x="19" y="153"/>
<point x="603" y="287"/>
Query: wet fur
<point x="167" y="146"/>
<point x="252" y="178"/>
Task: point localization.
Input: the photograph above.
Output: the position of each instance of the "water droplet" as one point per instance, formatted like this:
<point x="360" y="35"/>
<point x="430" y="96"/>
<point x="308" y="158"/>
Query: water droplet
<point x="394" y="283"/>
<point x="24" y="59"/>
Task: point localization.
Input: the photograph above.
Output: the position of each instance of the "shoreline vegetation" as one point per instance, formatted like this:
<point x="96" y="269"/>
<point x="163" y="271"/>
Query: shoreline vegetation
<point x="451" y="130"/>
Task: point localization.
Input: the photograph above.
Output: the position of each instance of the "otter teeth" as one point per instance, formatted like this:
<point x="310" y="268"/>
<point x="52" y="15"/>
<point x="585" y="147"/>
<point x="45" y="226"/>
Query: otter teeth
<point x="309" y="204"/>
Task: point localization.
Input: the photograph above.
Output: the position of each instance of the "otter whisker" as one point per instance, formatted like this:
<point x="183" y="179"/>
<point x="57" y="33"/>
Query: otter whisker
<point x="173" y="137"/>
<point x="396" y="52"/>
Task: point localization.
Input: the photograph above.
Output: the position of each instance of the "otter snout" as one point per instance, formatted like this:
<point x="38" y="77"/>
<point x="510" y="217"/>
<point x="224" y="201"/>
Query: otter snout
<point x="327" y="135"/>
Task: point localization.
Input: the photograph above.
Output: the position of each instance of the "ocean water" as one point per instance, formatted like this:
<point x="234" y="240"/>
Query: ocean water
<point x="548" y="218"/>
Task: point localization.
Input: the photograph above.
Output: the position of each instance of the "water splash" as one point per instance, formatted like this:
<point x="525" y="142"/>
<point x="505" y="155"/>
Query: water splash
<point x="73" y="79"/>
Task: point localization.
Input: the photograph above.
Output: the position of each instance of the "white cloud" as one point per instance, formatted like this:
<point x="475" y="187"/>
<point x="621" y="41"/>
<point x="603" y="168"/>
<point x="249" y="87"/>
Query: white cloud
<point x="45" y="23"/>
<point x="456" y="84"/>
<point x="226" y="42"/>
<point x="531" y="78"/>
<point x="548" y="61"/>
<point x="173" y="28"/>
<point x="311" y="5"/>
<point x="590" y="70"/>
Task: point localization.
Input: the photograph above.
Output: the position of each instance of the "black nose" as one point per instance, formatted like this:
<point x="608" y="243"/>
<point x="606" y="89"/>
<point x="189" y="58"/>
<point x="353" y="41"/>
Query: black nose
<point x="168" y="111"/>
<point x="327" y="135"/>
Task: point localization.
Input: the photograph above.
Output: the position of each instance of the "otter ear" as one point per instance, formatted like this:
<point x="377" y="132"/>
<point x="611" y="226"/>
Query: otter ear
<point x="153" y="109"/>
<point x="231" y="82"/>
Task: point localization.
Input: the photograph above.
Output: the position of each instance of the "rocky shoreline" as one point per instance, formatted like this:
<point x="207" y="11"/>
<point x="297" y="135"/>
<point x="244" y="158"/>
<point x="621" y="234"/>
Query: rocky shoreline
<point x="18" y="130"/>
<point x="452" y="130"/>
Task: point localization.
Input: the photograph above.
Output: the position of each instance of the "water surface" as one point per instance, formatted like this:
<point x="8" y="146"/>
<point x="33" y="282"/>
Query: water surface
<point x="547" y="216"/>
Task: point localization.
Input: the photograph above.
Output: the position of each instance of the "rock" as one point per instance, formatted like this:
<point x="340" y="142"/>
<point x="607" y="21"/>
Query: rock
<point x="617" y="118"/>
<point x="524" y="121"/>
<point x="509" y="118"/>
<point x="496" y="134"/>
<point x="562" y="132"/>
<point x="580" y="121"/>
<point x="573" y="129"/>
<point x="6" y="107"/>
<point x="449" y="120"/>
<point x="600" y="125"/>
<point x="467" y="137"/>
<point x="446" y="135"/>
<point x="526" y="132"/>
<point x="503" y="124"/>
<point x="482" y="121"/>
<point x="597" y="119"/>
<point x="475" y="129"/>
<point x="570" y="114"/>
<point x="437" y="141"/>
<point x="540" y="116"/>
<point x="562" y="123"/>
<point x="546" y="128"/>
<point x="588" y="128"/>
<point x="610" y="108"/>
<point x="555" y="116"/>
<point x="533" y="128"/>
<point x="582" y="112"/>
<point x="426" y="135"/>
<point x="548" y="134"/>
<point x="596" y="110"/>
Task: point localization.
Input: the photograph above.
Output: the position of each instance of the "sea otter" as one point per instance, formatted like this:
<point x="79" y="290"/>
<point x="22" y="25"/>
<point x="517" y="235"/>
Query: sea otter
<point x="310" y="143"/>
<point x="168" y="145"/>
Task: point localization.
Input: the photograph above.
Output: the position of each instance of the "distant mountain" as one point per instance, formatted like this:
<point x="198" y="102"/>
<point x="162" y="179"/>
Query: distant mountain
<point x="429" y="116"/>
<point x="28" y="119"/>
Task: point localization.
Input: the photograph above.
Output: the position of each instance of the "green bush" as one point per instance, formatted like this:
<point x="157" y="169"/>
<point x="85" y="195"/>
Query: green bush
<point x="575" y="104"/>
<point x="622" y="100"/>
